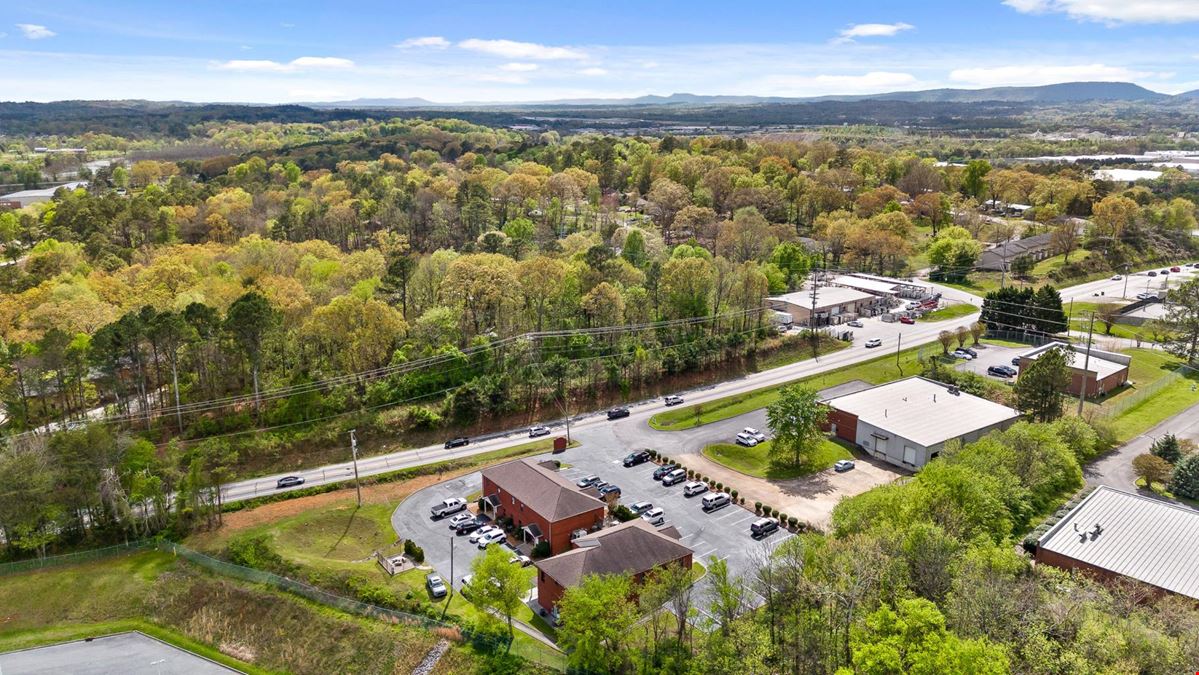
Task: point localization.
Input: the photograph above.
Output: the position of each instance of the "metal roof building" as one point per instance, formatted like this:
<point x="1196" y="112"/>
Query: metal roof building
<point x="1116" y="533"/>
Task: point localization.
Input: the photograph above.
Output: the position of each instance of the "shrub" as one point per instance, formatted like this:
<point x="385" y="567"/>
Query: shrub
<point x="719" y="486"/>
<point x="783" y="518"/>
<point x="733" y="493"/>
<point x="793" y="521"/>
<point x="415" y="553"/>
<point x="541" y="550"/>
<point x="652" y="453"/>
<point x="1153" y="469"/>
<point x="623" y="514"/>
<point x="255" y="551"/>
<point x="757" y="507"/>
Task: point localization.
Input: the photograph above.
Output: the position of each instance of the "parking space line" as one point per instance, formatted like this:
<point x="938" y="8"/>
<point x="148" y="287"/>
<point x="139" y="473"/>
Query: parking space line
<point x="704" y="556"/>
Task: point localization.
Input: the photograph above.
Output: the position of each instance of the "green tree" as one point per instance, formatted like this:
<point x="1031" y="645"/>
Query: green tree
<point x="634" y="248"/>
<point x="1181" y="323"/>
<point x="1022" y="265"/>
<point x="499" y="584"/>
<point x="1152" y="469"/>
<point x="597" y="620"/>
<point x="1185" y="481"/>
<point x="1167" y="448"/>
<point x="912" y="638"/>
<point x="248" y="320"/>
<point x="973" y="177"/>
<point x="1041" y="389"/>
<point x="796" y="419"/>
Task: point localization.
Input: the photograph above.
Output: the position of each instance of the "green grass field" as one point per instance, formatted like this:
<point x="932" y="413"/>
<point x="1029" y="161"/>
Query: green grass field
<point x="756" y="462"/>
<point x="951" y="312"/>
<point x="798" y="349"/>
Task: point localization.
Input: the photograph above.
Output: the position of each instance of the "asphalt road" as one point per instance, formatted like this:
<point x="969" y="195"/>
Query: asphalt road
<point x="133" y="653"/>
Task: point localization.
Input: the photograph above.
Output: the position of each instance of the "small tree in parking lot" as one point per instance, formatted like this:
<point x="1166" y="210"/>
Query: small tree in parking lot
<point x="977" y="330"/>
<point x="796" y="419"/>
<point x="962" y="333"/>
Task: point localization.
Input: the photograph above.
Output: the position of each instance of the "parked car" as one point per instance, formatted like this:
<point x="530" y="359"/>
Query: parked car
<point x="660" y="472"/>
<point x="873" y="342"/>
<point x="467" y="527"/>
<point x="640" y="508"/>
<point x="466" y="580"/>
<point x="609" y="490"/>
<point x="600" y="485"/>
<point x="539" y="431"/>
<point x="457" y="442"/>
<point x="1146" y="296"/>
<point x="674" y="477"/>
<point x="854" y="324"/>
<point x="907" y="319"/>
<point x="288" y="481"/>
<point x="1015" y="360"/>
<point x="843" y="465"/>
<point x="962" y="354"/>
<point x="635" y="458"/>
<point x="492" y="538"/>
<point x="436" y="585"/>
<point x="673" y="400"/>
<point x="755" y="433"/>
<point x="716" y="500"/>
<point x="654" y="516"/>
<point x="763" y="527"/>
<point x="694" y="488"/>
<point x="970" y="351"/>
<point x="459" y="519"/>
<point x="521" y="559"/>
<point x="447" y="506"/>
<point x="482" y="532"/>
<point x="746" y="440"/>
<point x="617" y="413"/>
<point x="588" y="481"/>
<point x="1002" y="371"/>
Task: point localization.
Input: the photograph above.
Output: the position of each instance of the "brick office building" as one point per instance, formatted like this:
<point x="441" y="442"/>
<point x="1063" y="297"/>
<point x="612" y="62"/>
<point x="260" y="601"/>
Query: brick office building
<point x="543" y="505"/>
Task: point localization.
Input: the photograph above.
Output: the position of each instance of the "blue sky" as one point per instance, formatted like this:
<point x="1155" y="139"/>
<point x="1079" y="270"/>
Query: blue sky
<point x="270" y="51"/>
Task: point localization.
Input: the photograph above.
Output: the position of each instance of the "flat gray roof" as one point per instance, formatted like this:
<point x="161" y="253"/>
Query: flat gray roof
<point x="1150" y="540"/>
<point x="133" y="653"/>
<point x="826" y="296"/>
<point x="922" y="410"/>
<point x="1097" y="364"/>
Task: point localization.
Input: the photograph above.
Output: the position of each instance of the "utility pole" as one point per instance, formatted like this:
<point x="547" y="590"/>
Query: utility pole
<point x="812" y="314"/>
<point x="898" y="345"/>
<point x="1082" y="394"/>
<point x="1125" y="293"/>
<point x="354" y="451"/>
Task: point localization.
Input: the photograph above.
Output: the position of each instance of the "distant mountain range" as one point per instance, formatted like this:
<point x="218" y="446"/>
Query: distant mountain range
<point x="1065" y="92"/>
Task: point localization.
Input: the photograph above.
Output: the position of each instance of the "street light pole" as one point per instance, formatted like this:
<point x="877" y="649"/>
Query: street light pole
<point x="354" y="451"/>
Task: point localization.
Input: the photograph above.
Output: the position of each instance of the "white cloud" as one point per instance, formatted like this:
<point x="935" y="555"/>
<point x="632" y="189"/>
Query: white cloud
<point x="1113" y="11"/>
<point x="35" y="32"/>
<point x="519" y="67"/>
<point x="429" y="41"/>
<point x="301" y="63"/>
<point x="522" y="50"/>
<point x="873" y="30"/>
<point x="1037" y="74"/>
<point x="593" y="72"/>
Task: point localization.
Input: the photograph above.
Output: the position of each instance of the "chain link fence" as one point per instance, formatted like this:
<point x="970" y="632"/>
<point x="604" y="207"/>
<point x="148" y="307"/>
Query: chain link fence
<point x="74" y="558"/>
<point x="1143" y="393"/>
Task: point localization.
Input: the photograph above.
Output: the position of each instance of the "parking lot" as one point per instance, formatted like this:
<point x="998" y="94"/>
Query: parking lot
<point x="723" y="533"/>
<point x="991" y="355"/>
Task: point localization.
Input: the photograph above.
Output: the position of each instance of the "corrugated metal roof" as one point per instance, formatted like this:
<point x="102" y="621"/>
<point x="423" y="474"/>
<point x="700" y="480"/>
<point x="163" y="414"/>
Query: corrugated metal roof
<point x="868" y="285"/>
<point x="922" y="410"/>
<point x="826" y="296"/>
<point x="1142" y="538"/>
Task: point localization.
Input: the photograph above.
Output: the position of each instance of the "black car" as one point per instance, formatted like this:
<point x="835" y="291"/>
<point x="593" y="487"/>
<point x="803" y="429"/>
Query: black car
<point x="468" y="526"/>
<point x="635" y="458"/>
<point x="660" y="472"/>
<point x="1001" y="371"/>
<point x="1016" y="361"/>
<point x="609" y="489"/>
<point x="457" y="442"/>
<point x="971" y="352"/>
<point x="617" y="413"/>
<point x="288" y="481"/>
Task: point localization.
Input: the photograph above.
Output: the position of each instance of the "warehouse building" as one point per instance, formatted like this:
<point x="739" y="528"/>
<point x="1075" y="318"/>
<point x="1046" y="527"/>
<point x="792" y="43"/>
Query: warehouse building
<point x="1101" y="372"/>
<point x="833" y="305"/>
<point x="908" y="422"/>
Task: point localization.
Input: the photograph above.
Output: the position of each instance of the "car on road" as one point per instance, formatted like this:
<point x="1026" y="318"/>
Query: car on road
<point x="907" y="320"/>
<point x="694" y="488"/>
<point x="674" y="477"/>
<point x="490" y="538"/>
<point x="660" y="472"/>
<point x="963" y="354"/>
<point x="447" y="506"/>
<point x="635" y="458"/>
<point x="843" y="465"/>
<point x="755" y="433"/>
<point x="436" y="585"/>
<point x="1176" y="268"/>
<point x="617" y="413"/>
<point x="588" y="481"/>
<point x="746" y="440"/>
<point x="1002" y="371"/>
<point x="714" y="501"/>
<point x="467" y="527"/>
<point x="672" y="400"/>
<point x="482" y="532"/>
<point x="457" y="442"/>
<point x="874" y="342"/>
<point x="854" y="324"/>
<point x="654" y="516"/>
<point x="539" y="431"/>
<point x="1152" y="273"/>
<point x="1164" y="272"/>
<point x="609" y="490"/>
<point x="1116" y="277"/>
<point x="640" y="508"/>
<point x="521" y="559"/>
<point x="288" y="481"/>
<point x="763" y="527"/>
<point x="459" y="519"/>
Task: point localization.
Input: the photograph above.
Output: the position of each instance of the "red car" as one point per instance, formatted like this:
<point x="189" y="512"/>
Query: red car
<point x="1175" y="269"/>
<point x="907" y="319"/>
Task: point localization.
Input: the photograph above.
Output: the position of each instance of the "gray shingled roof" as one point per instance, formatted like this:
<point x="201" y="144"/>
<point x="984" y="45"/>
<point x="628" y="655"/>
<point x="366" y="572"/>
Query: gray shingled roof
<point x="629" y="548"/>
<point x="1146" y="539"/>
<point x="541" y="489"/>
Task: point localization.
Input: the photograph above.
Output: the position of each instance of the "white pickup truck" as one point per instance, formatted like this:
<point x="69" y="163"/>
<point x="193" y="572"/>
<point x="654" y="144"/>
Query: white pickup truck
<point x="447" y="506"/>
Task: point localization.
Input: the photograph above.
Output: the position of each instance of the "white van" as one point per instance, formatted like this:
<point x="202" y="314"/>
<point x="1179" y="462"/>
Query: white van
<point x="716" y="500"/>
<point x="676" y="476"/>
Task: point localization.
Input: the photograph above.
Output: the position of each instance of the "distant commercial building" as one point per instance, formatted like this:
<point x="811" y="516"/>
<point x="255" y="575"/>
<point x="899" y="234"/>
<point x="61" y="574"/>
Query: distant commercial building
<point x="1113" y="534"/>
<point x="999" y="258"/>
<point x="903" y="288"/>
<point x="832" y="305"/>
<point x="542" y="504"/>
<point x="1102" y="373"/>
<point x="908" y="422"/>
<point x="634" y="548"/>
<point x="27" y="197"/>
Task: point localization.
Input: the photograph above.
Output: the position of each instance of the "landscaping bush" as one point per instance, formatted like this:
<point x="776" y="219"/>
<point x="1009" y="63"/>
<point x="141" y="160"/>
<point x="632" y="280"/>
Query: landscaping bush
<point x="793" y="521"/>
<point x="623" y="514"/>
<point x="541" y="550"/>
<point x="733" y="493"/>
<point x="414" y="553"/>
<point x="757" y="507"/>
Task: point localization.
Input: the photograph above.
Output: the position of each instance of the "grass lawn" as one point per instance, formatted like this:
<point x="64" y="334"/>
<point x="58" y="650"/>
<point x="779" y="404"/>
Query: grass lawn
<point x="979" y="283"/>
<point x="798" y="349"/>
<point x="756" y="462"/>
<point x="1148" y="366"/>
<point x="950" y="312"/>
<point x="1043" y="268"/>
<point x="875" y="371"/>
<point x="1164" y="491"/>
